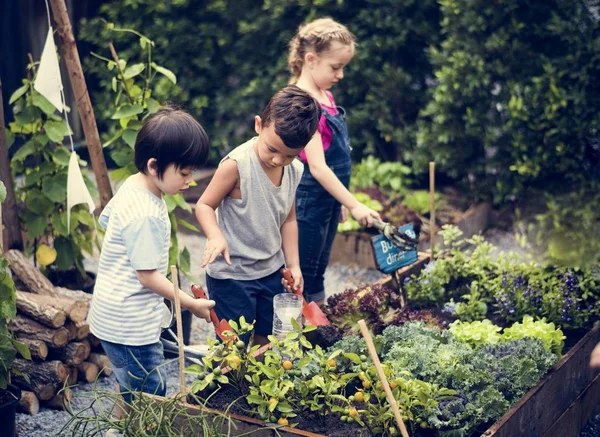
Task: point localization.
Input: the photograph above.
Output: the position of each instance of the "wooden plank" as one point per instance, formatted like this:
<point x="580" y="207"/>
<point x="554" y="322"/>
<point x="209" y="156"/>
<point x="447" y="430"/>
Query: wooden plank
<point x="572" y="422"/>
<point x="544" y="404"/>
<point x="405" y="272"/>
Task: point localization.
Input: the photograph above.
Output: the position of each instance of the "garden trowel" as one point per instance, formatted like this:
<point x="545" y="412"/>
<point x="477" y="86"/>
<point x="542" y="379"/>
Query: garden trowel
<point x="310" y="311"/>
<point x="220" y="325"/>
<point x="398" y="238"/>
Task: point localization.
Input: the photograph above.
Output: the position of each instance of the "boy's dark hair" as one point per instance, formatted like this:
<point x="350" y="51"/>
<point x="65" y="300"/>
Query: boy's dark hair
<point x="295" y="115"/>
<point x="171" y="136"/>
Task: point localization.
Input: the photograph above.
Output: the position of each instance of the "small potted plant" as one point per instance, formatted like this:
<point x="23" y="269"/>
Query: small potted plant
<point x="9" y="347"/>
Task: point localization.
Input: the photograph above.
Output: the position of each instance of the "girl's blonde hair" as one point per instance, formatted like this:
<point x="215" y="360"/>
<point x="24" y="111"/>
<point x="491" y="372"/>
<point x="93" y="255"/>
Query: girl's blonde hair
<point x="316" y="36"/>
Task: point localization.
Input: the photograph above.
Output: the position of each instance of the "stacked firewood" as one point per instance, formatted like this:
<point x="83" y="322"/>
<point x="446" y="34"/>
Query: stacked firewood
<point x="51" y="322"/>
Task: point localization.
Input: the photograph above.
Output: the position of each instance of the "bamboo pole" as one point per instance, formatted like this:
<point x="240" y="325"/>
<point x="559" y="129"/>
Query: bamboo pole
<point x="182" y="388"/>
<point x="10" y="219"/>
<point x="388" y="392"/>
<point x="82" y="97"/>
<point x="432" y="207"/>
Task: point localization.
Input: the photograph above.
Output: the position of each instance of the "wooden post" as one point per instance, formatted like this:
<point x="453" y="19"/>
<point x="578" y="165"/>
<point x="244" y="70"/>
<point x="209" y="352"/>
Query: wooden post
<point x="82" y="97"/>
<point x="432" y="207"/>
<point x="11" y="237"/>
<point x="182" y="388"/>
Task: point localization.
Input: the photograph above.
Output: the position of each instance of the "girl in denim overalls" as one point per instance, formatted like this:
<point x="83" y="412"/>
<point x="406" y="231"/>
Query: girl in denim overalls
<point x="318" y="55"/>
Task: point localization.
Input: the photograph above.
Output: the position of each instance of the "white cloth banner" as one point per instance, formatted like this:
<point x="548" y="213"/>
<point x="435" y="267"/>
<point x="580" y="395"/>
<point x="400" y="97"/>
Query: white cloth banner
<point x="77" y="191"/>
<point x="48" y="82"/>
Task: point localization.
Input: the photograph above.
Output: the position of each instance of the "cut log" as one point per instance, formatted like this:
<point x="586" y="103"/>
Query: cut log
<point x="24" y="327"/>
<point x="72" y="354"/>
<point x="59" y="401"/>
<point x="73" y="376"/>
<point x="72" y="328"/>
<point x="75" y="309"/>
<point x="102" y="362"/>
<point x="43" y="313"/>
<point x="29" y="403"/>
<point x="73" y="294"/>
<point x="87" y="346"/>
<point x="38" y="349"/>
<point x="29" y="274"/>
<point x="83" y="330"/>
<point x="88" y="372"/>
<point x="94" y="341"/>
<point x="47" y="372"/>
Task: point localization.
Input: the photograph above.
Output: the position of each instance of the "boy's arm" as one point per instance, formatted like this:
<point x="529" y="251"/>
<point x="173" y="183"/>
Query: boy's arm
<point x="222" y="183"/>
<point x="289" y="237"/>
<point x="327" y="178"/>
<point x="159" y="283"/>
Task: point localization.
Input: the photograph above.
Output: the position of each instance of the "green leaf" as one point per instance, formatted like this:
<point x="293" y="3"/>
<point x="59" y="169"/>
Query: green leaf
<point x="254" y="399"/>
<point x="43" y="103"/>
<point x="167" y="73"/>
<point x="284" y="407"/>
<point x="184" y="260"/>
<point x="187" y="225"/>
<point x="195" y="369"/>
<point x="22" y="349"/>
<point x="55" y="187"/>
<point x="56" y="130"/>
<point x="59" y="223"/>
<point x="61" y="156"/>
<point x="24" y="151"/>
<point x="129" y="135"/>
<point x="133" y="70"/>
<point x="353" y="357"/>
<point x="127" y="110"/>
<point x="66" y="251"/>
<point x="17" y="94"/>
<point x="35" y="226"/>
<point x="39" y="204"/>
<point x="152" y="106"/>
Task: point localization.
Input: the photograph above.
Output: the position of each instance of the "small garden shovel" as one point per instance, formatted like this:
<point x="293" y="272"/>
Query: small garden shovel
<point x="310" y="311"/>
<point x="220" y="325"/>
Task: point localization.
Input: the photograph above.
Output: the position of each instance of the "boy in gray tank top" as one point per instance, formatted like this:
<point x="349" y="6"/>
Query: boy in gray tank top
<point x="248" y="212"/>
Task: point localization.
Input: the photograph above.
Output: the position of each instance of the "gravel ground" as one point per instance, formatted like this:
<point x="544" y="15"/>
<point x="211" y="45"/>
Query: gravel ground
<point x="49" y="423"/>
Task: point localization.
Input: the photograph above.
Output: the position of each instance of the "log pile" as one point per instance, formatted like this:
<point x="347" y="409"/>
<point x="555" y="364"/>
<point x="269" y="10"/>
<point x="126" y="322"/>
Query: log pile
<point x="51" y="322"/>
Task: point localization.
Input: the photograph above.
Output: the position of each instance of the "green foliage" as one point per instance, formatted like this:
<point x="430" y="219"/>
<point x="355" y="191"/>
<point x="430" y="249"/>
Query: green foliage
<point x="230" y="56"/>
<point x="476" y="333"/>
<point x="136" y="84"/>
<point x="548" y="333"/>
<point x="42" y="162"/>
<point x="508" y="110"/>
<point x="484" y="288"/>
<point x="419" y="201"/>
<point x="391" y="178"/>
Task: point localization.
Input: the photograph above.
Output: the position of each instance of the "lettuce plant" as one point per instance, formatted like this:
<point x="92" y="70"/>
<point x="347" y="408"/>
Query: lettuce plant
<point x="551" y="336"/>
<point x="476" y="333"/>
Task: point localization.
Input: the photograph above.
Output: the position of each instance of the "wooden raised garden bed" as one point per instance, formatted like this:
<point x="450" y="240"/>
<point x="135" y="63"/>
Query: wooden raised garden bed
<point x="355" y="247"/>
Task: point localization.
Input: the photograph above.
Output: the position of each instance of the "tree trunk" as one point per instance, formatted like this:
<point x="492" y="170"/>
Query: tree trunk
<point x="88" y="372"/>
<point x="28" y="274"/>
<point x="25" y="327"/>
<point x="72" y="354"/>
<point x="49" y="316"/>
<point x="84" y="105"/>
<point x="38" y="349"/>
<point x="76" y="310"/>
<point x="12" y="237"/>
<point x="102" y="362"/>
<point x="29" y="403"/>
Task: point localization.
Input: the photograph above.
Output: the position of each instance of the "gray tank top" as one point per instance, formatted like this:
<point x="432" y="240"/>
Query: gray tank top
<point x="252" y="225"/>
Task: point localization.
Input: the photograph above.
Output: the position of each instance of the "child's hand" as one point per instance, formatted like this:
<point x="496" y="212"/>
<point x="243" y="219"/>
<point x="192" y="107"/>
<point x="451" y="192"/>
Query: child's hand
<point x="298" y="281"/>
<point x="344" y="215"/>
<point x="215" y="247"/>
<point x="364" y="215"/>
<point x="595" y="359"/>
<point x="201" y="308"/>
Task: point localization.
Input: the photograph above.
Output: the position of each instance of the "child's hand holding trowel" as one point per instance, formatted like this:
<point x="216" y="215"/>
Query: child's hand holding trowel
<point x="293" y="282"/>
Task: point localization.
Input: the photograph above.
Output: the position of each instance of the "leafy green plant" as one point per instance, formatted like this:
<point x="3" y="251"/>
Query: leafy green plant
<point x="134" y="84"/>
<point x="9" y="347"/>
<point x="418" y="201"/>
<point x="40" y="167"/>
<point x="551" y="336"/>
<point x="476" y="333"/>
<point x="392" y="178"/>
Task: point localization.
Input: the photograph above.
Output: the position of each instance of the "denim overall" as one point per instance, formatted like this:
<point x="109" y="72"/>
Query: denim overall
<point x="318" y="213"/>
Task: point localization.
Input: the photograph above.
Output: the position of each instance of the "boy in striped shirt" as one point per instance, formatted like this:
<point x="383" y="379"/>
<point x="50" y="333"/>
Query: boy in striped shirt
<point x="128" y="307"/>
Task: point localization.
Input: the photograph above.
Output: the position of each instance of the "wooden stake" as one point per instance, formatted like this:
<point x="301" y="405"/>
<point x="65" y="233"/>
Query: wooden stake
<point x="182" y="389"/>
<point x="82" y="97"/>
<point x="432" y="206"/>
<point x="14" y="238"/>
<point x="388" y="392"/>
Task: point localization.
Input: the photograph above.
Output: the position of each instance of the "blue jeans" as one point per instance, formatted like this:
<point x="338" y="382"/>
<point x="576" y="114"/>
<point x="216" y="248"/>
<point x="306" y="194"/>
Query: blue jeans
<point x="137" y="368"/>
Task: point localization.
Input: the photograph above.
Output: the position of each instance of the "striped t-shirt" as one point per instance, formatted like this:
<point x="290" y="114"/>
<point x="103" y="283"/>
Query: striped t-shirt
<point x="137" y="238"/>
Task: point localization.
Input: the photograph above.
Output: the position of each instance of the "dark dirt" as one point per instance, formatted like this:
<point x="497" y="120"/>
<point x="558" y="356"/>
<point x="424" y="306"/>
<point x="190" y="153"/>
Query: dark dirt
<point x="324" y="336"/>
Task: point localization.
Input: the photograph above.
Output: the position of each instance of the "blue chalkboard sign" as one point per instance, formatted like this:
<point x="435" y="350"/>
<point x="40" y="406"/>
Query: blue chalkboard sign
<point x="389" y="258"/>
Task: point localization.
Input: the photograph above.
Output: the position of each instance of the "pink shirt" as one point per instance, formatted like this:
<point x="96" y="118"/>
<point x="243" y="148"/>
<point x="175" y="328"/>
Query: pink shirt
<point x="324" y="129"/>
